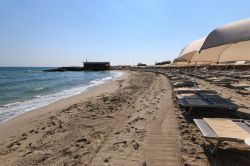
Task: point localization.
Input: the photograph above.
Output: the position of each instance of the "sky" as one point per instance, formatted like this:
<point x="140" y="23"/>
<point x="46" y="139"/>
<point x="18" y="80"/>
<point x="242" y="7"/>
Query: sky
<point x="123" y="32"/>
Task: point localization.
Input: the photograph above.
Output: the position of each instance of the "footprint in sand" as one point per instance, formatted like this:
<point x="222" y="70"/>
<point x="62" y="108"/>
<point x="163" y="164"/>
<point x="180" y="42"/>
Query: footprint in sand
<point x="135" y="145"/>
<point x="43" y="128"/>
<point x="82" y="141"/>
<point x="14" y="146"/>
<point x="107" y="159"/>
<point x="24" y="136"/>
<point x="31" y="131"/>
<point x="119" y="146"/>
<point x="135" y="120"/>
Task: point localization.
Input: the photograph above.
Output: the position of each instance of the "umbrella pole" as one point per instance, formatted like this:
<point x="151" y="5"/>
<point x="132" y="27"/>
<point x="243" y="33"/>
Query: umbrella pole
<point x="195" y="75"/>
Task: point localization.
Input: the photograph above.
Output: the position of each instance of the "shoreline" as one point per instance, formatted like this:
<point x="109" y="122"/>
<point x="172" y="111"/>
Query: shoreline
<point x="9" y="126"/>
<point x="85" y="91"/>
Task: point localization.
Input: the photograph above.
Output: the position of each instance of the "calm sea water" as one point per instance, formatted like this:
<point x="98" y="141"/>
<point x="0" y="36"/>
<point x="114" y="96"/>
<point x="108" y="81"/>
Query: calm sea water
<point x="25" y="89"/>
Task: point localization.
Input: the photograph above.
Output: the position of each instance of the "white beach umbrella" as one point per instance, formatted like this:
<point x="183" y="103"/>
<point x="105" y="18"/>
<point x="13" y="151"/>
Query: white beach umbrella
<point x="190" y="50"/>
<point x="227" y="43"/>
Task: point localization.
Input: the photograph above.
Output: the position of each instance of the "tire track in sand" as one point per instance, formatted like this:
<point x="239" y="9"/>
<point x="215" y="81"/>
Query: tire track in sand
<point x="162" y="143"/>
<point x="146" y="133"/>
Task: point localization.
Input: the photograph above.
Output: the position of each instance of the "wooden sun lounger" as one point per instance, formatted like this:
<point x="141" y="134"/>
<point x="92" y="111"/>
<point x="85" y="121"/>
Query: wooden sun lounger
<point x="220" y="130"/>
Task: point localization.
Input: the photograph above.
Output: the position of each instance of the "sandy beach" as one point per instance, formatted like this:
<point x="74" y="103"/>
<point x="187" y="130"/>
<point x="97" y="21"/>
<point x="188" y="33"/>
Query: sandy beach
<point x="124" y="83"/>
<point x="131" y="121"/>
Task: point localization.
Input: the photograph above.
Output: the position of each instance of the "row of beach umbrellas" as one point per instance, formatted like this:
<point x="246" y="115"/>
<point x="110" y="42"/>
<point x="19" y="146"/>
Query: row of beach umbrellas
<point x="227" y="44"/>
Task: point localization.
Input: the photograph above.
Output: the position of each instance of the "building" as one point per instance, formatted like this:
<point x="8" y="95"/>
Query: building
<point x="163" y="63"/>
<point x="96" y="65"/>
<point x="141" y="64"/>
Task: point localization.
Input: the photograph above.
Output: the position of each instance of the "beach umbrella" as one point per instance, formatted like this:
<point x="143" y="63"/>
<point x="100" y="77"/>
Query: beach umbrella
<point x="226" y="44"/>
<point x="190" y="50"/>
<point x="209" y="56"/>
<point x="236" y="52"/>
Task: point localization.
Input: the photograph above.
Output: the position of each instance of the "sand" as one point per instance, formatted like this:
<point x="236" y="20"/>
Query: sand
<point x="130" y="121"/>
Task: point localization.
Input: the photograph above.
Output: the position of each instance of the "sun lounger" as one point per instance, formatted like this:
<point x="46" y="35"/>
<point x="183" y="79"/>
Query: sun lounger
<point x="247" y="141"/>
<point x="227" y="82"/>
<point x="240" y="86"/>
<point x="196" y="94"/>
<point x="190" y="90"/>
<point x="241" y="76"/>
<point x="212" y="79"/>
<point x="245" y="91"/>
<point x="176" y="78"/>
<point x="220" y="130"/>
<point x="204" y="100"/>
<point x="183" y="83"/>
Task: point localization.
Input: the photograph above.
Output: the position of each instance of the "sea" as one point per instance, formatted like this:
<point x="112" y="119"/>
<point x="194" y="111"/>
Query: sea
<point x="24" y="89"/>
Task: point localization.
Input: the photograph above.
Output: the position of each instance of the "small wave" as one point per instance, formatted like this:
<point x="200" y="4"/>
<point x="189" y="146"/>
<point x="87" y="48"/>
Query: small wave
<point x="38" y="89"/>
<point x="100" y="81"/>
<point x="117" y="74"/>
<point x="12" y="104"/>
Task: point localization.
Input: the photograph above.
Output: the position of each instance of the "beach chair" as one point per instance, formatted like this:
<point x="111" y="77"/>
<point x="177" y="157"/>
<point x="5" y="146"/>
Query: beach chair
<point x="220" y="130"/>
<point x="212" y="79"/>
<point x="240" y="86"/>
<point x="227" y="82"/>
<point x="244" y="92"/>
<point x="183" y="83"/>
<point x="243" y="77"/>
<point x="178" y="78"/>
<point x="195" y="94"/>
<point x="204" y="100"/>
<point x="190" y="90"/>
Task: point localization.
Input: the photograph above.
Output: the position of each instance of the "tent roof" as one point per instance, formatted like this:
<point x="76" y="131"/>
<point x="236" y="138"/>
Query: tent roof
<point x="231" y="33"/>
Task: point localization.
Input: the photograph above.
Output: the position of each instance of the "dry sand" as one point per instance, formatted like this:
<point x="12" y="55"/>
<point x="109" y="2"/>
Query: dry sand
<point x="131" y="121"/>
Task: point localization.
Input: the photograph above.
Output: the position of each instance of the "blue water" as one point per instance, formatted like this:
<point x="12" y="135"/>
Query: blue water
<point x="25" y="88"/>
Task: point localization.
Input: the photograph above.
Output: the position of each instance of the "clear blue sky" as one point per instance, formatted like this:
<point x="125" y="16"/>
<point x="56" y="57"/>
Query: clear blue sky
<point x="64" y="33"/>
